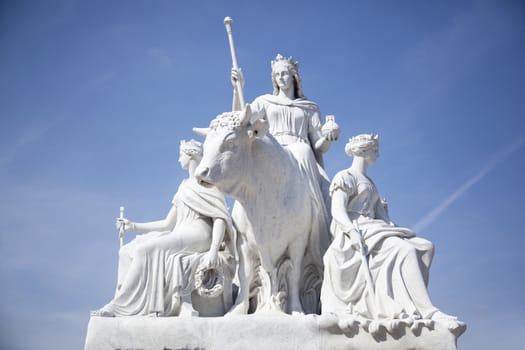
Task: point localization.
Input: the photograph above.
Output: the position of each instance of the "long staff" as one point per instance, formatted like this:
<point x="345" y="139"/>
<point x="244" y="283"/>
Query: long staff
<point x="228" y="23"/>
<point x="368" y="274"/>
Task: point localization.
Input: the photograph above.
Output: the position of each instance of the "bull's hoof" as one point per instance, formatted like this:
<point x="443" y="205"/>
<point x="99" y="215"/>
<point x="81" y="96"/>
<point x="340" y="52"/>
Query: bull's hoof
<point x="239" y="309"/>
<point x="187" y="310"/>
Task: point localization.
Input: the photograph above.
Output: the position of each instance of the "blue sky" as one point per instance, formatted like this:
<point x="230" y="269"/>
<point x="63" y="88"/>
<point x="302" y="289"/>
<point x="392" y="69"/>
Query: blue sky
<point x="96" y="95"/>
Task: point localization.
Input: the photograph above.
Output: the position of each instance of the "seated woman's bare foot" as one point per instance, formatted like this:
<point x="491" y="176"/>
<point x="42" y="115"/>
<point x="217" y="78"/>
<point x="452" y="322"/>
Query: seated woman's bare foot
<point x="103" y="312"/>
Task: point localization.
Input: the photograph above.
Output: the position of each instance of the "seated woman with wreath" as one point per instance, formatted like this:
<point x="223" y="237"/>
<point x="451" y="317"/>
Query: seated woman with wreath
<point x="159" y="270"/>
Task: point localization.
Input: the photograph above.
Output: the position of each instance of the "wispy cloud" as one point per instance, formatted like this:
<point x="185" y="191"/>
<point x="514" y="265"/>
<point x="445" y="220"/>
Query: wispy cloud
<point x="447" y="56"/>
<point x="100" y="80"/>
<point x="29" y="136"/>
<point x="160" y="57"/>
<point x="35" y="128"/>
<point x="499" y="157"/>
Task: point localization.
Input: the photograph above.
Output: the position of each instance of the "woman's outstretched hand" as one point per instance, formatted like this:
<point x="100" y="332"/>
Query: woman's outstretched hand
<point x="125" y="223"/>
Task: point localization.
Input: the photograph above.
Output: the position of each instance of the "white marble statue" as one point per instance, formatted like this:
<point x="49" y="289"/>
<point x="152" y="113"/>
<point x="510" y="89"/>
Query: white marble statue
<point x="374" y="270"/>
<point x="295" y="122"/>
<point x="297" y="244"/>
<point x="277" y="214"/>
<point x="159" y="270"/>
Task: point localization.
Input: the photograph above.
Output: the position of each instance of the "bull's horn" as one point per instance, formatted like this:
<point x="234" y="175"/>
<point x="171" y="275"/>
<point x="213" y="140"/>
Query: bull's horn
<point x="201" y="131"/>
<point x="246" y="114"/>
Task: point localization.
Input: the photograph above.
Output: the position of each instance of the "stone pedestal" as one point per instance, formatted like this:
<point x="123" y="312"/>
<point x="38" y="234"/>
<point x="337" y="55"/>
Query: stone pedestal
<point x="254" y="332"/>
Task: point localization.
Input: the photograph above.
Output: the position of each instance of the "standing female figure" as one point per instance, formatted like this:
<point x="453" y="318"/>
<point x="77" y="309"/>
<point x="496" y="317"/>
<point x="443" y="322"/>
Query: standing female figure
<point x="294" y="121"/>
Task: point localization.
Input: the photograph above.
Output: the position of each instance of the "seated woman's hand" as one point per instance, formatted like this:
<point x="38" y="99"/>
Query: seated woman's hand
<point x="123" y="222"/>
<point x="210" y="260"/>
<point x="357" y="242"/>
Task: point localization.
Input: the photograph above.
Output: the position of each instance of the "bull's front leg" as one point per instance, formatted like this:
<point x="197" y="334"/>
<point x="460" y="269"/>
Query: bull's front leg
<point x="245" y="273"/>
<point x="296" y="251"/>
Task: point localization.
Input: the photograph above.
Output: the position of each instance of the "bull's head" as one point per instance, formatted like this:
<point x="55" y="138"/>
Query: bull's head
<point x="227" y="150"/>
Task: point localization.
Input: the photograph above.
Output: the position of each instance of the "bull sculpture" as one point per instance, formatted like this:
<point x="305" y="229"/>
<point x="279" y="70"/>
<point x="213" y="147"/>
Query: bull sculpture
<point x="279" y="232"/>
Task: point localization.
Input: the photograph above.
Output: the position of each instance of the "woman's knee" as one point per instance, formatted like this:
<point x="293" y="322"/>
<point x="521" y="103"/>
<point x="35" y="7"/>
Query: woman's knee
<point x="145" y="249"/>
<point x="406" y="247"/>
<point x="126" y="250"/>
<point x="429" y="248"/>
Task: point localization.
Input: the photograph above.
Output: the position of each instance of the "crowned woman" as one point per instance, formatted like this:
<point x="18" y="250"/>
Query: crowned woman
<point x="294" y="121"/>
<point x="157" y="270"/>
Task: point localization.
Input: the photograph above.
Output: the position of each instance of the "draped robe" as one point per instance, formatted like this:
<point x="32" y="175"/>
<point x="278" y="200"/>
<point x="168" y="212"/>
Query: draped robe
<point x="398" y="261"/>
<point x="157" y="268"/>
<point x="296" y="125"/>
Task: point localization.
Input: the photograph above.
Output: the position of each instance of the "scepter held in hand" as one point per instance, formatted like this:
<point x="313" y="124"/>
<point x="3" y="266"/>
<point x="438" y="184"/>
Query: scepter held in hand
<point x="121" y="227"/>
<point x="228" y="24"/>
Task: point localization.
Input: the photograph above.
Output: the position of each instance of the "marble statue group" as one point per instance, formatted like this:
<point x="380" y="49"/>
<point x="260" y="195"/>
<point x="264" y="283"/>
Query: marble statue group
<point x="295" y="242"/>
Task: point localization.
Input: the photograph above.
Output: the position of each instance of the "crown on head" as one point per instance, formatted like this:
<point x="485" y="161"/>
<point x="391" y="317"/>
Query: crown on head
<point x="364" y="138"/>
<point x="191" y="147"/>
<point x="360" y="143"/>
<point x="290" y="61"/>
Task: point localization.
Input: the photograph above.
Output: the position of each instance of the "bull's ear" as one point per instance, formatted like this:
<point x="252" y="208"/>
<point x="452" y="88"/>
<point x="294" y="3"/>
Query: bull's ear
<point x="201" y="131"/>
<point x="260" y="127"/>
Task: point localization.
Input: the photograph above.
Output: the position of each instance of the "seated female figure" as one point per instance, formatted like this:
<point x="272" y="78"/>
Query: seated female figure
<point x="156" y="270"/>
<point x="373" y="268"/>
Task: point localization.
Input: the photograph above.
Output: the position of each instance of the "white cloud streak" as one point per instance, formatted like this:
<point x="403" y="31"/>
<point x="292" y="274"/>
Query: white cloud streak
<point x="160" y="58"/>
<point x="499" y="157"/>
<point x="34" y="132"/>
<point x="30" y="136"/>
<point x="443" y="58"/>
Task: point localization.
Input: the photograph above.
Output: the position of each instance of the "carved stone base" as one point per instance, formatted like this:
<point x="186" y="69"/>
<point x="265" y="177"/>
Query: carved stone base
<point x="261" y="332"/>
